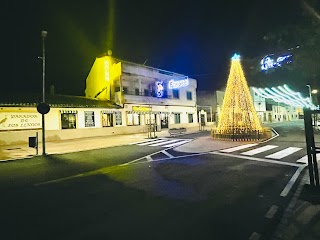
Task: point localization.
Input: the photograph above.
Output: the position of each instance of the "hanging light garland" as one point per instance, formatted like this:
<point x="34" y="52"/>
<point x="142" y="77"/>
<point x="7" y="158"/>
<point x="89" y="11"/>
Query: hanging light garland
<point x="283" y="94"/>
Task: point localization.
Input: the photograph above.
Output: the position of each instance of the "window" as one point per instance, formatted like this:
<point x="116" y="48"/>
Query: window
<point x="68" y="120"/>
<point x="118" y="118"/>
<point x="89" y="118"/>
<point x="189" y="95"/>
<point x="146" y="92"/>
<point x="125" y="90"/>
<point x="137" y="91"/>
<point x="177" y="118"/>
<point x="107" y="120"/>
<point x="175" y="93"/>
<point x="190" y="118"/>
<point x="133" y="119"/>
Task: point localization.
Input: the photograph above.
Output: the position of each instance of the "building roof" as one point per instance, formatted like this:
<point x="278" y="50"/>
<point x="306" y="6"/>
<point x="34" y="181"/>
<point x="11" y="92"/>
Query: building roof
<point x="56" y="100"/>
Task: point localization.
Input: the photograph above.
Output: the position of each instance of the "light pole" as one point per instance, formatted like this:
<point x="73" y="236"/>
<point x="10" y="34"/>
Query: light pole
<point x="44" y="35"/>
<point x="309" y="87"/>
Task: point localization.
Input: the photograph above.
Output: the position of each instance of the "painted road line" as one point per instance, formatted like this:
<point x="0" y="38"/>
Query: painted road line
<point x="228" y="150"/>
<point x="272" y="211"/>
<point x="293" y="179"/>
<point x="177" y="144"/>
<point x="259" y="150"/>
<point x="305" y="159"/>
<point x="166" y="142"/>
<point x="283" y="153"/>
<point x="155" y="141"/>
<point x="255" y="236"/>
<point x="276" y="135"/>
<point x="149" y="158"/>
<point x="167" y="154"/>
<point x="144" y="141"/>
<point x="257" y="159"/>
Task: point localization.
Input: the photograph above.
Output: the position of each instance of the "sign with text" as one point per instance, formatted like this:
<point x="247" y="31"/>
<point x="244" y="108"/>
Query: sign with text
<point x="141" y="109"/>
<point x="16" y="120"/>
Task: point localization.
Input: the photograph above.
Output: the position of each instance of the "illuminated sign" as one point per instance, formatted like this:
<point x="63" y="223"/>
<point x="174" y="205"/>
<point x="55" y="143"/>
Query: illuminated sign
<point x="174" y="84"/>
<point x="270" y="62"/>
<point x="141" y="109"/>
<point x="159" y="88"/>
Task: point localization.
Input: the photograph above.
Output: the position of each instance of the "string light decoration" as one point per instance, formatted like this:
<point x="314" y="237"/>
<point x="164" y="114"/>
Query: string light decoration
<point x="238" y="119"/>
<point x="284" y="94"/>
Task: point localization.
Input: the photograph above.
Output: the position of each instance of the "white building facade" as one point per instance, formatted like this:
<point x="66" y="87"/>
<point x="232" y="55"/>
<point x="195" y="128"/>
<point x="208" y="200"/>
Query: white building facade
<point x="121" y="98"/>
<point x="148" y="95"/>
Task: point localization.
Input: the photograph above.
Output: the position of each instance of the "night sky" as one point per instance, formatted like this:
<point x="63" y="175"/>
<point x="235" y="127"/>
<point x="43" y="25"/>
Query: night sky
<point x="196" y="38"/>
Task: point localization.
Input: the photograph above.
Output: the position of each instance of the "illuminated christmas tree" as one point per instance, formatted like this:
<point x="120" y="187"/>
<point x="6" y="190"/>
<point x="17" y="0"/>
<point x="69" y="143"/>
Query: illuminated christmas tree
<point x="238" y="119"/>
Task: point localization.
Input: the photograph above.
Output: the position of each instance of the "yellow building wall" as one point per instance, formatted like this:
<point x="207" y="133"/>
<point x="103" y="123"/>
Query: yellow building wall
<point x="98" y="80"/>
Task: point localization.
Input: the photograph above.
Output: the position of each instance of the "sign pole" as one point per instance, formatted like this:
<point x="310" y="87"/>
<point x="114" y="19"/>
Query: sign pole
<point x="43" y="34"/>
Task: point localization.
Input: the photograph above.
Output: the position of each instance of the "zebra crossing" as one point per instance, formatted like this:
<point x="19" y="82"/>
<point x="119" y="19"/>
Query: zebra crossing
<point x="162" y="142"/>
<point x="278" y="153"/>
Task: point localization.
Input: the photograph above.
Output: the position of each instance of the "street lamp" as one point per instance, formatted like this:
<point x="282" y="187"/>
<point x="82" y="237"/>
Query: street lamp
<point x="309" y="87"/>
<point x="44" y="35"/>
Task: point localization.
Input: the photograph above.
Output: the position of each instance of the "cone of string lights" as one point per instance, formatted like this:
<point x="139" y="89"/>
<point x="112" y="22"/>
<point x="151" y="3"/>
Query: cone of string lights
<point x="238" y="119"/>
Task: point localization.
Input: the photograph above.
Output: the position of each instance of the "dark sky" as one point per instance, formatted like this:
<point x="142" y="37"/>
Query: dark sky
<point x="196" y="38"/>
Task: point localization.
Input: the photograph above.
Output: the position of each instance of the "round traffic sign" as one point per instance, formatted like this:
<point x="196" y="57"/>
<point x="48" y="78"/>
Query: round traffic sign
<point x="43" y="108"/>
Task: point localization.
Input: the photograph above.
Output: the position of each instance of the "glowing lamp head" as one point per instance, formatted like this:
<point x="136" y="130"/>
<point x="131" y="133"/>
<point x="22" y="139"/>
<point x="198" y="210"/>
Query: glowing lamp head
<point x="236" y="57"/>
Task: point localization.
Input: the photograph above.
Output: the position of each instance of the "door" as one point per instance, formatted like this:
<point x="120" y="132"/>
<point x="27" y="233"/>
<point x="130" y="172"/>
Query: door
<point x="164" y="120"/>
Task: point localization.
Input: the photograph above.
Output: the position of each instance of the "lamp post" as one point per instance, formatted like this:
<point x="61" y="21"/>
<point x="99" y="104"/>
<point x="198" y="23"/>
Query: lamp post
<point x="309" y="87"/>
<point x="44" y="35"/>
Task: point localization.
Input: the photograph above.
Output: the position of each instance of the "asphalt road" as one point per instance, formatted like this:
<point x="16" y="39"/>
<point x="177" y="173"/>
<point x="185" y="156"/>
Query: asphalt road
<point x="148" y="192"/>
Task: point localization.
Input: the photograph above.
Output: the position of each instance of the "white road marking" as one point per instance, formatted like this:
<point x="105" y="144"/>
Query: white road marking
<point x="305" y="159"/>
<point x="167" y="154"/>
<point x="257" y="159"/>
<point x="283" y="153"/>
<point x="177" y="144"/>
<point x="293" y="179"/>
<point x="271" y="211"/>
<point x="163" y="143"/>
<point x="155" y="141"/>
<point x="148" y="140"/>
<point x="149" y="158"/>
<point x="255" y="236"/>
<point x="259" y="150"/>
<point x="228" y="150"/>
<point x="276" y="135"/>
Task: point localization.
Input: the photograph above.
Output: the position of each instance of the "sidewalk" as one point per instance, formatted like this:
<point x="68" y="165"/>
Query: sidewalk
<point x="300" y="221"/>
<point x="22" y="151"/>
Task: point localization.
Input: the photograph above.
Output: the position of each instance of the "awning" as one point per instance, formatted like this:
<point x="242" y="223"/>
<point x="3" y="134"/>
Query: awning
<point x="69" y="111"/>
<point x="146" y="113"/>
<point x="109" y="111"/>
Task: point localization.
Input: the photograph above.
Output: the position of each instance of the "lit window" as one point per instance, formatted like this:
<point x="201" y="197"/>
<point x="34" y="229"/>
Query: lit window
<point x="68" y="120"/>
<point x="89" y="118"/>
<point x="133" y="119"/>
<point x="107" y="120"/>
